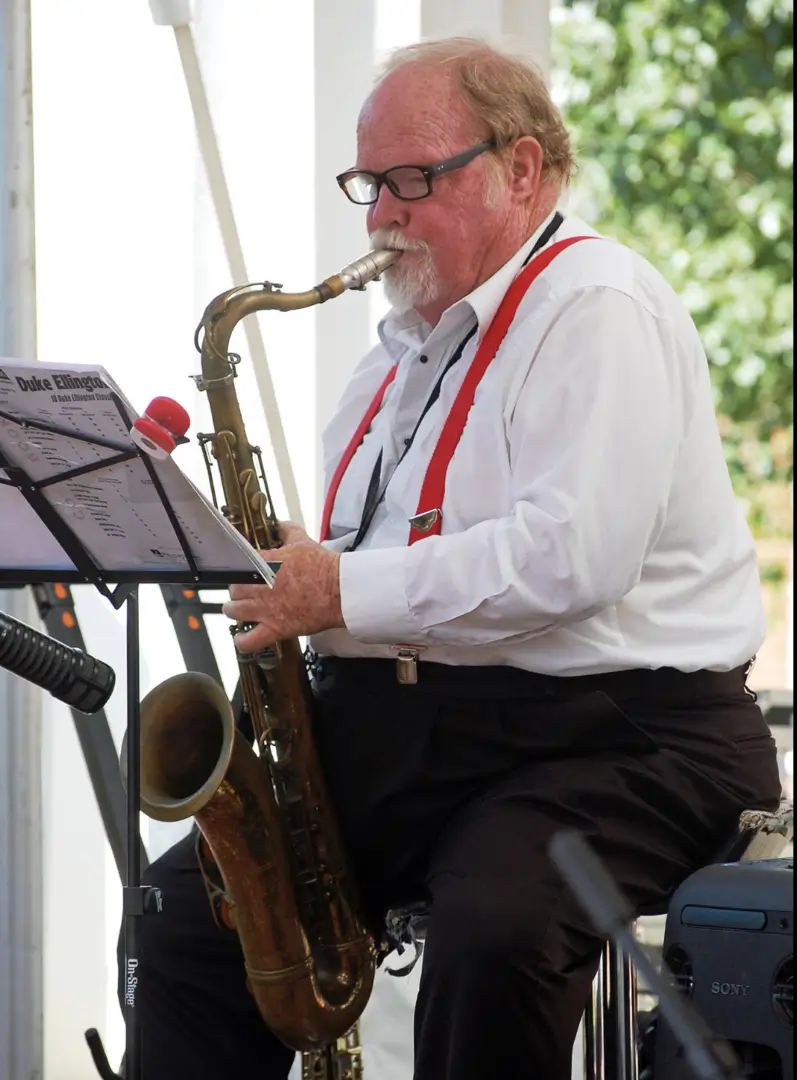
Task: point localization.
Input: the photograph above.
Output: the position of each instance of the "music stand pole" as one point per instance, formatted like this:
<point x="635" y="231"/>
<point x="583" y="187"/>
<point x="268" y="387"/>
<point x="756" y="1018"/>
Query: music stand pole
<point x="133" y="906"/>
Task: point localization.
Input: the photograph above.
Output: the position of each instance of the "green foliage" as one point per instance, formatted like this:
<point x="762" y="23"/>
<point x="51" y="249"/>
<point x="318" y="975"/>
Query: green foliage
<point x="681" y="112"/>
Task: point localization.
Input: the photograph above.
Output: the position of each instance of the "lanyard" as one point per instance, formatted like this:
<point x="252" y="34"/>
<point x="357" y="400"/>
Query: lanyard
<point x="428" y="522"/>
<point x="374" y="496"/>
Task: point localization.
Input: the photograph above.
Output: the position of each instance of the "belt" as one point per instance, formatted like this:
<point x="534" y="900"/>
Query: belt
<point x="668" y="684"/>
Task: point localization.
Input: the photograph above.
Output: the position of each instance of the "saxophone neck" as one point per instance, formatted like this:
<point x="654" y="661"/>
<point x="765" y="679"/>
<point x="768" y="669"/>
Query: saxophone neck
<point x="223" y="313"/>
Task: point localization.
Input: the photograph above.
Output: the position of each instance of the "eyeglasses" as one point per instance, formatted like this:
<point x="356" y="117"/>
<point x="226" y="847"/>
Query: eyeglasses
<point x="407" y="182"/>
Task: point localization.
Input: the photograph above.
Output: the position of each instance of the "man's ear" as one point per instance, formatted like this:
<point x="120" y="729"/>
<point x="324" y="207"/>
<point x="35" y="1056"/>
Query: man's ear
<point x="525" y="170"/>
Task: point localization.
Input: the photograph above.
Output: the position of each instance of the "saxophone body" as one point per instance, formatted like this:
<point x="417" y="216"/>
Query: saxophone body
<point x="341" y="1060"/>
<point x="265" y="816"/>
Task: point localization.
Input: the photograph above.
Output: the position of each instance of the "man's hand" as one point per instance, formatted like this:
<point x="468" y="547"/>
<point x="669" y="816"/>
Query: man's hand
<point x="304" y="599"/>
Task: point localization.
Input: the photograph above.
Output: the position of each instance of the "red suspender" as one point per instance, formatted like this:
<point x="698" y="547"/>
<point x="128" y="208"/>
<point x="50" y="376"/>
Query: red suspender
<point x="428" y="519"/>
<point x="351" y="449"/>
<point x="428" y="522"/>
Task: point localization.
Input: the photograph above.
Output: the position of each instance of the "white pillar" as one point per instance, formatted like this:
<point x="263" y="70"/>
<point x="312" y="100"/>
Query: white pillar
<point x="526" y="26"/>
<point x="343" y="79"/>
<point x="461" y="18"/>
<point x="20" y="704"/>
<point x="522" y="25"/>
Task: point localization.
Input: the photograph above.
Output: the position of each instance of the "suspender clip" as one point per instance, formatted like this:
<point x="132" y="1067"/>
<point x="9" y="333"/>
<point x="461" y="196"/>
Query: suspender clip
<point x="425" y="522"/>
<point x="407" y="664"/>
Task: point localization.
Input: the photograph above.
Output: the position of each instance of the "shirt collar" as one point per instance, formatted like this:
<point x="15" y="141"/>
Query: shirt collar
<point x="401" y="330"/>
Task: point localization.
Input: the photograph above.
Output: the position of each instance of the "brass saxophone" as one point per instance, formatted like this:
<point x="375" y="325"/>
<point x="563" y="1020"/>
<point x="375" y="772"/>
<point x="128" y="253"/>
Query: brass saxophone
<point x="266" y="816"/>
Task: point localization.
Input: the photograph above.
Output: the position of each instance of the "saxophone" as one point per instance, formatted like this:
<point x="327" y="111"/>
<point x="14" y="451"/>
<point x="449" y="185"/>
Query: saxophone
<point x="265" y="816"/>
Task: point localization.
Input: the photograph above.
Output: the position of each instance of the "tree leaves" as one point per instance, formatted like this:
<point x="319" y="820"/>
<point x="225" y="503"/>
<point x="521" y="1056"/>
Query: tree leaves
<point x="681" y="111"/>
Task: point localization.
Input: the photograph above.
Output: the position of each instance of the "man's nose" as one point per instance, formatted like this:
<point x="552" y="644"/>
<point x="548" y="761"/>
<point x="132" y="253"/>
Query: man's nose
<point x="388" y="212"/>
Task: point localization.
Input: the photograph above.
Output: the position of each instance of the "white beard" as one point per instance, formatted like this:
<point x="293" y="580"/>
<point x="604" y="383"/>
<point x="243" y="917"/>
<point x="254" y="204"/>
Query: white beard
<point x="409" y="285"/>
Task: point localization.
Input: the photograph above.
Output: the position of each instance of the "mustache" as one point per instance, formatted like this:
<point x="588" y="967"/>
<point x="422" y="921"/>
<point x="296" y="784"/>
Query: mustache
<point x="393" y="240"/>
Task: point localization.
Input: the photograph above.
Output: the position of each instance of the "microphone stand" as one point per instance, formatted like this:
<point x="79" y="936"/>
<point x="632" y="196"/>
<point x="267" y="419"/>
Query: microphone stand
<point x="709" y="1058"/>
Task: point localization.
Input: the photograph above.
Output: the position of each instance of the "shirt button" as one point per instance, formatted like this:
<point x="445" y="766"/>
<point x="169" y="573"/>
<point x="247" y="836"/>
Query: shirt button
<point x="408" y="442"/>
<point x="423" y="359"/>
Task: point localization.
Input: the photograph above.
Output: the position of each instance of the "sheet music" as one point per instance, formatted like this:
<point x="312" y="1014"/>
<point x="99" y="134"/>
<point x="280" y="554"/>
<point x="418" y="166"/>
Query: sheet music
<point x="115" y="511"/>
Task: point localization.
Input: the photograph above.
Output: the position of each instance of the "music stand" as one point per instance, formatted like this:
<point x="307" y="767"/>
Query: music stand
<point x="49" y="452"/>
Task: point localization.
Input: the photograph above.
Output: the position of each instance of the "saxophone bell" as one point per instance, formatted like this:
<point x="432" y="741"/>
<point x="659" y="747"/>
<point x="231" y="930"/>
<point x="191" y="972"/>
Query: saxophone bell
<point x="187" y="740"/>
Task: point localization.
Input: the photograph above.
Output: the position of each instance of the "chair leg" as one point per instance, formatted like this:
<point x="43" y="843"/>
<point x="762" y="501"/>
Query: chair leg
<point x="620" y="1003"/>
<point x="627" y="1035"/>
<point x="595" y="1024"/>
<point x="610" y="1020"/>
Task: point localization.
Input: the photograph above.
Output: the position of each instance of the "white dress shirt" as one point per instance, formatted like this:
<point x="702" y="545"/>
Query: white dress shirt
<point x="589" y="523"/>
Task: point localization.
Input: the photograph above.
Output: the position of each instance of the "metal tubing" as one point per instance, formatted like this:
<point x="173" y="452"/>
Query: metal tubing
<point x="595" y="1025"/>
<point x="610" y="1020"/>
<point x="132" y="915"/>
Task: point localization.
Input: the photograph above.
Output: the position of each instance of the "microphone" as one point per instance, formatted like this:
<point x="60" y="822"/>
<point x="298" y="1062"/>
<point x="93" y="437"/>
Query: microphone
<point x="70" y="675"/>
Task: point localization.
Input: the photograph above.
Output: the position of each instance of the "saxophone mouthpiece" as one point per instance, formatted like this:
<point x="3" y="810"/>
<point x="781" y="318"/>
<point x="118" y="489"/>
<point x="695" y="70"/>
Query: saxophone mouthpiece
<point x="367" y="268"/>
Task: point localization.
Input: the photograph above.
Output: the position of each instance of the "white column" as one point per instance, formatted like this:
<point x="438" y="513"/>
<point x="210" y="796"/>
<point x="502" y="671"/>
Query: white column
<point x="526" y="26"/>
<point x="20" y="704"/>
<point x="461" y="18"/>
<point x="344" y="59"/>
<point x="522" y="25"/>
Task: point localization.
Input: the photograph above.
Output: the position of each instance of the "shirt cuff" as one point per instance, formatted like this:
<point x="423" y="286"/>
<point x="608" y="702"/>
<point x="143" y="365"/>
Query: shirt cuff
<point x="373" y="597"/>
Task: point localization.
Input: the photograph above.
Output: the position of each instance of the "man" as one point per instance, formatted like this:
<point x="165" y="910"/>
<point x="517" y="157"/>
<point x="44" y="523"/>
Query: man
<point x="536" y="600"/>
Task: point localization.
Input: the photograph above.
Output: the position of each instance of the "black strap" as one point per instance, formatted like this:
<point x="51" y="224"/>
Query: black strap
<point x="373" y="495"/>
<point x="550" y="231"/>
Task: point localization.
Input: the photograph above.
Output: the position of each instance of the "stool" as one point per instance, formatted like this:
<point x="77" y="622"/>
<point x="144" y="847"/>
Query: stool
<point x="610" y="1019"/>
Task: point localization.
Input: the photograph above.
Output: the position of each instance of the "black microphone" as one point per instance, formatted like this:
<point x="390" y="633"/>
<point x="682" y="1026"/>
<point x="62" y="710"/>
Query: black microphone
<point x="69" y="674"/>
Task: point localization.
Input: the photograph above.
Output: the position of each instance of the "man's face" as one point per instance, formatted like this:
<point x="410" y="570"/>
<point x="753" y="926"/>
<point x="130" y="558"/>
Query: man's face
<point x="415" y="117"/>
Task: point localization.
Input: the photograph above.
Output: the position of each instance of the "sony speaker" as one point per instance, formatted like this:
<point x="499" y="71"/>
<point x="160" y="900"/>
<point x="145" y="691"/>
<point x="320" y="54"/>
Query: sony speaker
<point x="728" y="943"/>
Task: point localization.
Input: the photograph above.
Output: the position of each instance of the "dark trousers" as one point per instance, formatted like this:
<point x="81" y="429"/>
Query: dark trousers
<point x="449" y="792"/>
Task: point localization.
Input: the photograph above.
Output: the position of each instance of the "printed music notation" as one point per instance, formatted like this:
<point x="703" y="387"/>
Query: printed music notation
<point x="65" y="429"/>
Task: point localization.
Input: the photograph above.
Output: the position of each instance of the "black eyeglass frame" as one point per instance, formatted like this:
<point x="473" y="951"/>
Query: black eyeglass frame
<point x="429" y="173"/>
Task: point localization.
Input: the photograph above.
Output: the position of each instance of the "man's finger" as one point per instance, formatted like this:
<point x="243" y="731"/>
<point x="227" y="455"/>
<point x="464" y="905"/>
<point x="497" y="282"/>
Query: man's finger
<point x="247" y="609"/>
<point x="249" y="592"/>
<point x="259" y="637"/>
<point x="291" y="533"/>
